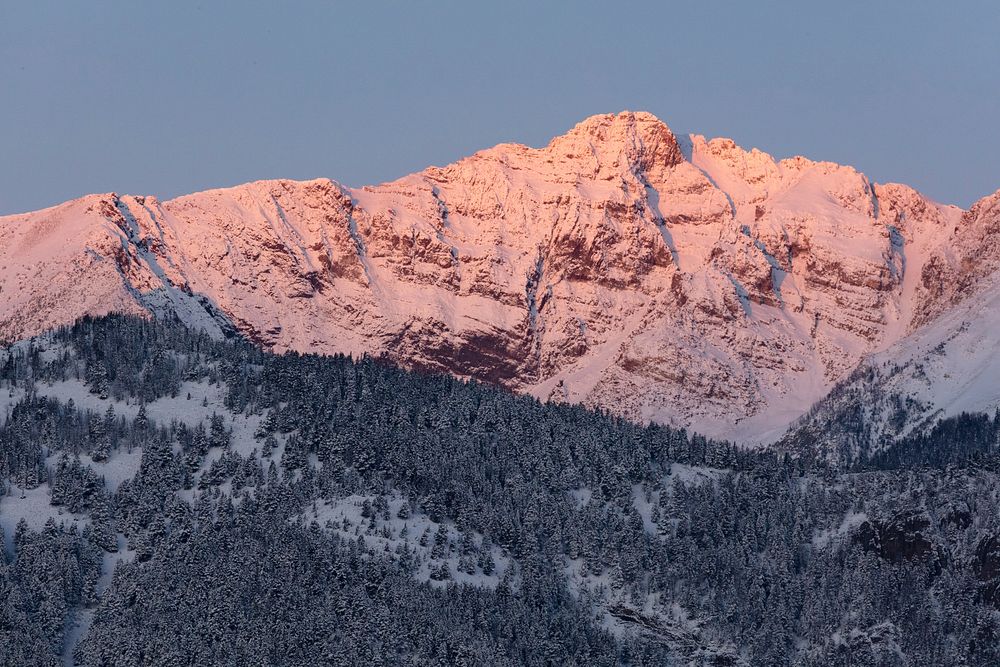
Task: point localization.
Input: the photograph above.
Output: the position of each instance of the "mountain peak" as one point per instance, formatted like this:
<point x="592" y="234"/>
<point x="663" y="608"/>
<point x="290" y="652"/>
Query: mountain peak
<point x="603" y="126"/>
<point x="640" y="137"/>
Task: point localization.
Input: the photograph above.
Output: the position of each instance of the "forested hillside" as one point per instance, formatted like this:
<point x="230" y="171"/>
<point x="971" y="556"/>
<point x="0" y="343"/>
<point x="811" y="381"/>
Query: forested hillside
<point x="171" y="499"/>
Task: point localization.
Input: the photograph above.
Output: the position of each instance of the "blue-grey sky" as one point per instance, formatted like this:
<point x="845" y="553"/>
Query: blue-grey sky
<point x="172" y="97"/>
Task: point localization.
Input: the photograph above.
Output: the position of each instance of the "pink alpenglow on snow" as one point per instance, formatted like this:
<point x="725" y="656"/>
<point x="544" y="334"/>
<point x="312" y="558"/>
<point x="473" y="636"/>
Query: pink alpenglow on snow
<point x="677" y="279"/>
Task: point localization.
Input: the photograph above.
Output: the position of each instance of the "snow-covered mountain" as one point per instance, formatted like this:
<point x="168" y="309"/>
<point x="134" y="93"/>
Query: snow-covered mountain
<point x="678" y="279"/>
<point x="948" y="365"/>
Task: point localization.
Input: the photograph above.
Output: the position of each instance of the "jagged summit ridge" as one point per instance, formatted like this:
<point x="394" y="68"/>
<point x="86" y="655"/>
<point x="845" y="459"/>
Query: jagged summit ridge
<point x="638" y="140"/>
<point x="685" y="280"/>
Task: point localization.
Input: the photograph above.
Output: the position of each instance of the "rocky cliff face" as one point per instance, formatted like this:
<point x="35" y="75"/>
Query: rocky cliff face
<point x="949" y="363"/>
<point x="683" y="280"/>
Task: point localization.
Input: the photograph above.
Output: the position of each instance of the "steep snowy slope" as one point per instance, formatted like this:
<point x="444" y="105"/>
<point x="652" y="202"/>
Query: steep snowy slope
<point x="948" y="366"/>
<point x="685" y="281"/>
<point x="85" y="257"/>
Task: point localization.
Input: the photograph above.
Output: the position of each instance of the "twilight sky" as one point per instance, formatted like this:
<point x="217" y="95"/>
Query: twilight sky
<point x="174" y="97"/>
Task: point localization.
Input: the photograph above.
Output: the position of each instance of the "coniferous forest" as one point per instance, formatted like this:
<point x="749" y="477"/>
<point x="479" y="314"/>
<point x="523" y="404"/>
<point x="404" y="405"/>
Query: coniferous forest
<point x="171" y="499"/>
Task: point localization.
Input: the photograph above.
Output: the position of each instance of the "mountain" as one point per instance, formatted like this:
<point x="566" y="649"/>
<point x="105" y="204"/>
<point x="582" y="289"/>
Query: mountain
<point x="947" y="366"/>
<point x="681" y="280"/>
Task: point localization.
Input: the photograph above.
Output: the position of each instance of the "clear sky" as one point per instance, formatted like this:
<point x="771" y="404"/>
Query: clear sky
<point x="172" y="97"/>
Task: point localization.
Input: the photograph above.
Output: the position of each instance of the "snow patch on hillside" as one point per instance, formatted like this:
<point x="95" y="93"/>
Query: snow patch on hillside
<point x="416" y="534"/>
<point x="9" y="397"/>
<point x="120" y="466"/>
<point x="851" y="522"/>
<point x="32" y="505"/>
